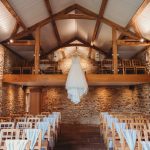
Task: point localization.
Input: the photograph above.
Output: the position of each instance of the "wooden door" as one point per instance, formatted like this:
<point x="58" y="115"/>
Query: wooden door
<point x="35" y="97"/>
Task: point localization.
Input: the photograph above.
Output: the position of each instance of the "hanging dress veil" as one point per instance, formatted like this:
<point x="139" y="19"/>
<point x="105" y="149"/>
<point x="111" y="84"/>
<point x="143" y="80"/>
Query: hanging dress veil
<point x="76" y="83"/>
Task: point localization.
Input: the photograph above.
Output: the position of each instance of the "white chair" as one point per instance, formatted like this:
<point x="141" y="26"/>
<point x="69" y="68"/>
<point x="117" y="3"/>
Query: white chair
<point x="7" y="125"/>
<point x="17" y="145"/>
<point x="8" y="134"/>
<point x="35" y="136"/>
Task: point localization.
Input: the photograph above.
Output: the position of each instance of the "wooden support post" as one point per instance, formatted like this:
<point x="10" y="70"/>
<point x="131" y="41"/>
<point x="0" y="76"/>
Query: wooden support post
<point x="37" y="51"/>
<point x="114" y="50"/>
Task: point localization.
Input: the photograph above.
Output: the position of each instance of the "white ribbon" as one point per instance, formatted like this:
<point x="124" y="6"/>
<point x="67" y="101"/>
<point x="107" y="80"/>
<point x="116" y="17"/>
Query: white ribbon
<point x="145" y="145"/>
<point x="130" y="137"/>
<point x="32" y="135"/>
<point x="119" y="127"/>
<point x="44" y="127"/>
<point x="16" y="144"/>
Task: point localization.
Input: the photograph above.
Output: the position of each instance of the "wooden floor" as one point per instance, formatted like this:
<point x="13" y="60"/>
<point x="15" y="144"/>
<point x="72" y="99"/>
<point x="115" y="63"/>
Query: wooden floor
<point x="79" y="137"/>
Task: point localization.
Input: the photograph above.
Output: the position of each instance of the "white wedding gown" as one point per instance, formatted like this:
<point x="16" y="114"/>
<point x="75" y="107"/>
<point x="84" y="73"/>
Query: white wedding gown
<point x="76" y="83"/>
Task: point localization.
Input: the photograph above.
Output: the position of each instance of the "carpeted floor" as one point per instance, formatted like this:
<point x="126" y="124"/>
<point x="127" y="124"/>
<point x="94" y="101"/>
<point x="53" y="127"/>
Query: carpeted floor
<point x="79" y="137"/>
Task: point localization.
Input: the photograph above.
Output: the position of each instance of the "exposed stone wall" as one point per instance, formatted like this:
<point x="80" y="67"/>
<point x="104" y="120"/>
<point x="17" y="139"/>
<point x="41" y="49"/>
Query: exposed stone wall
<point x="11" y="96"/>
<point x="87" y="65"/>
<point x="98" y="99"/>
<point x="13" y="99"/>
<point x="11" y="60"/>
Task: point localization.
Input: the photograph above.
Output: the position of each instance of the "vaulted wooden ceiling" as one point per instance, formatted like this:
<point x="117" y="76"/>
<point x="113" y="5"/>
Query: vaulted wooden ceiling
<point x="88" y="22"/>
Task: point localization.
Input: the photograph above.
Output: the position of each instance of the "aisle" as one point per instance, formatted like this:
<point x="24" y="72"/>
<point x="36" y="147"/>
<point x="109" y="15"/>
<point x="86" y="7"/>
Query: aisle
<point x="79" y="137"/>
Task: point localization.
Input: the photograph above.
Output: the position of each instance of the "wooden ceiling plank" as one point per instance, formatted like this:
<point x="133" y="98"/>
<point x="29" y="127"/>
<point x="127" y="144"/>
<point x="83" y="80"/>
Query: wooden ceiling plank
<point x="98" y="22"/>
<point x="13" y="52"/>
<point x="134" y="17"/>
<point x="120" y="28"/>
<point x="47" y="20"/>
<point x="15" y="30"/>
<point x="13" y="13"/>
<point x="140" y="52"/>
<point x="137" y="30"/>
<point x="85" y="10"/>
<point x="49" y="9"/>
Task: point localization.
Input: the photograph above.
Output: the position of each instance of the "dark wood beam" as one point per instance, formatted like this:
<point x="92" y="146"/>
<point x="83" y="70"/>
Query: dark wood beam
<point x="49" y="9"/>
<point x="120" y="28"/>
<point x="13" y="13"/>
<point x="98" y="22"/>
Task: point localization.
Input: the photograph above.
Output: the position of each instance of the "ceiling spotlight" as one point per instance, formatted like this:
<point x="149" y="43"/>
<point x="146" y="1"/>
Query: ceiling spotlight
<point x="141" y="40"/>
<point x="11" y="40"/>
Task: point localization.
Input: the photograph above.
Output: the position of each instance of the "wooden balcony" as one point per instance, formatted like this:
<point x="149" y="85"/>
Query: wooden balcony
<point x="59" y="79"/>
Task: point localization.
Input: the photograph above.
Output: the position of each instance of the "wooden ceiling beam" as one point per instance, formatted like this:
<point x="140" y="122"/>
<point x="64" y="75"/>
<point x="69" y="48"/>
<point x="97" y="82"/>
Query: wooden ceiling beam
<point x="22" y="43"/>
<point x="47" y="20"/>
<point x="120" y="28"/>
<point x="132" y="43"/>
<point x="92" y="46"/>
<point x="13" y="13"/>
<point x="98" y="22"/>
<point x="74" y="16"/>
<point x="58" y="47"/>
<point x="49" y="9"/>
<point x="85" y="10"/>
<point x="132" y="21"/>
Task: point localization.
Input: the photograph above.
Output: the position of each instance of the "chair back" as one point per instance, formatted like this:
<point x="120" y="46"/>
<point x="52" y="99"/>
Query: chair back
<point x="34" y="120"/>
<point x="8" y="134"/>
<point x="7" y="125"/>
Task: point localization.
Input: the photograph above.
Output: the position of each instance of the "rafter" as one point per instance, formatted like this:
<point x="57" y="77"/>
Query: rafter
<point x="74" y="16"/>
<point x="47" y="20"/>
<point x="98" y="22"/>
<point x="69" y="16"/>
<point x="69" y="44"/>
<point x="13" y="13"/>
<point x="132" y="43"/>
<point x="49" y="9"/>
<point x="137" y="13"/>
<point x="92" y="46"/>
<point x="58" y="47"/>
